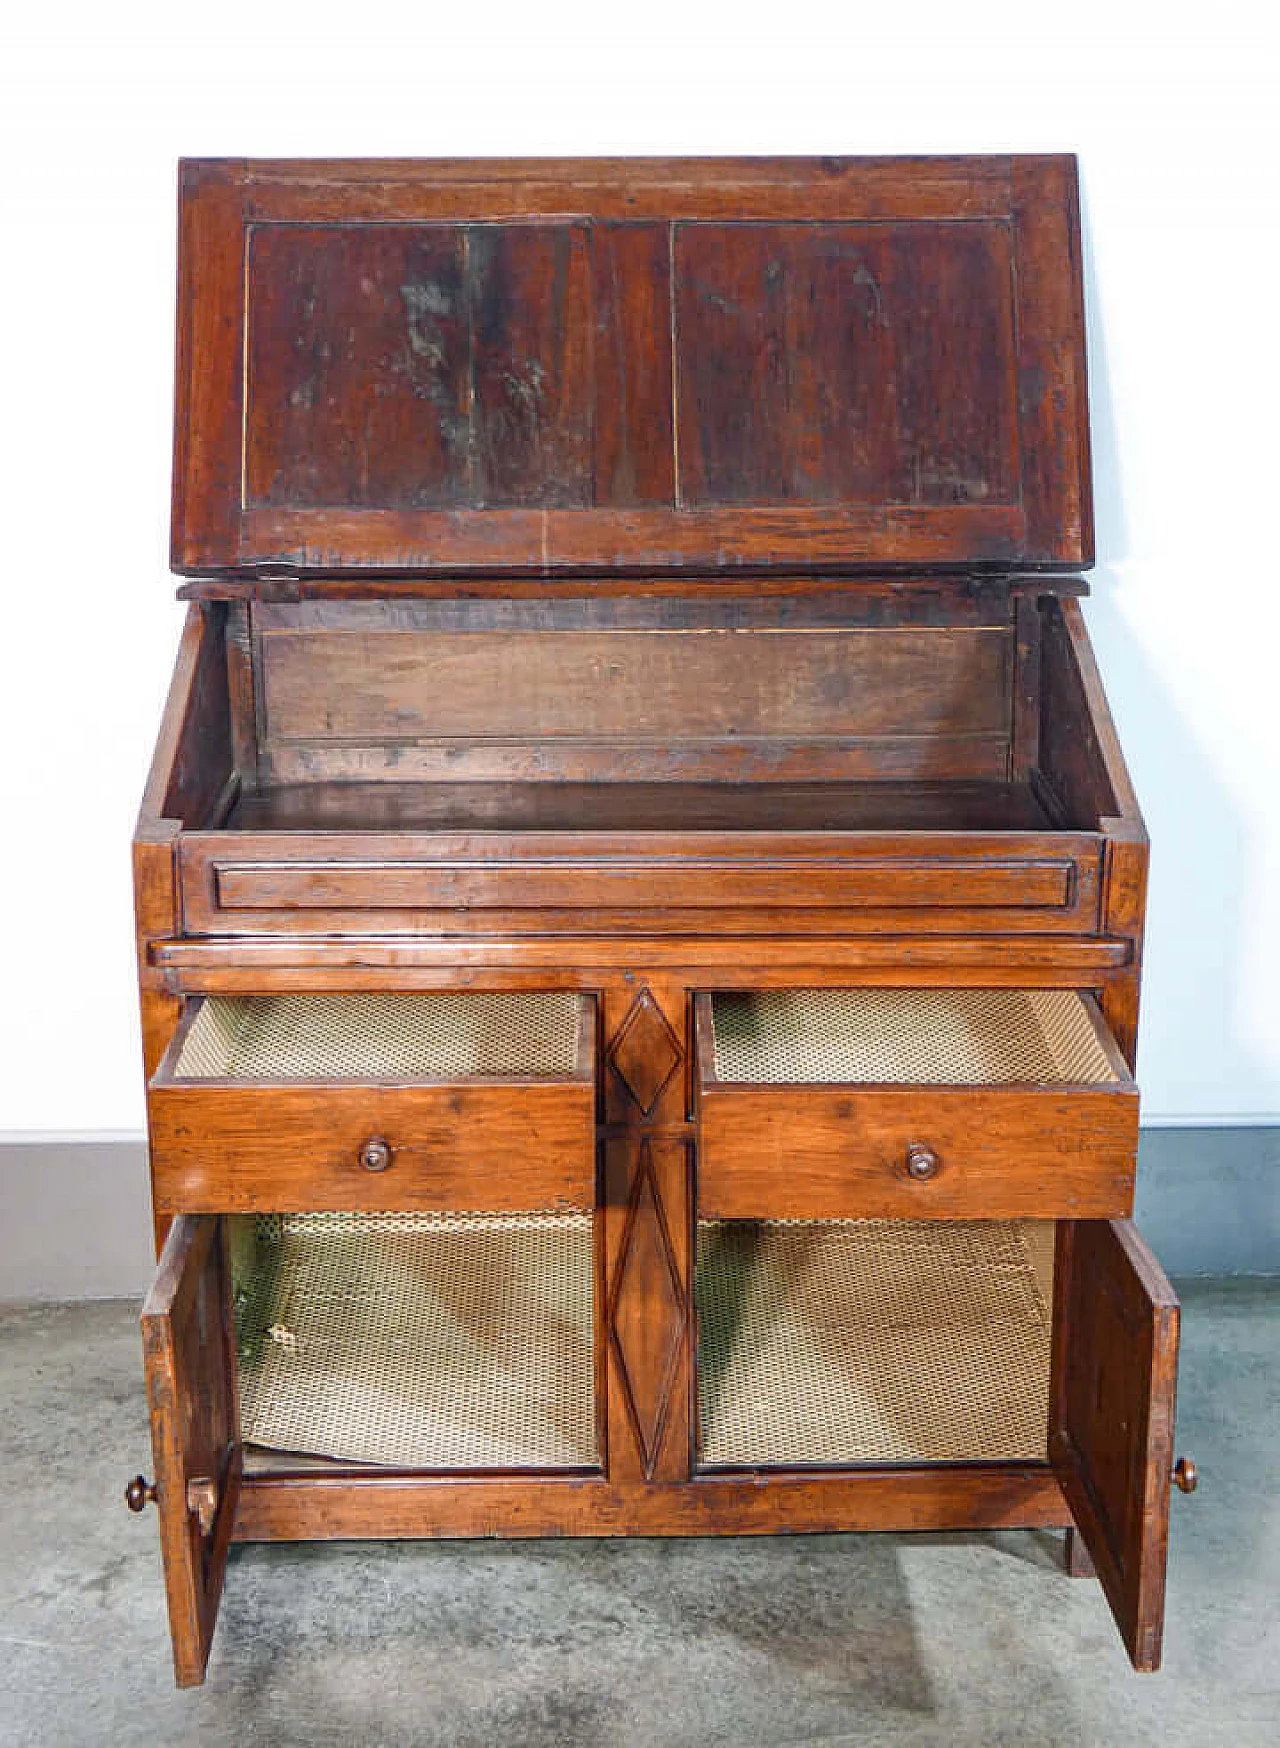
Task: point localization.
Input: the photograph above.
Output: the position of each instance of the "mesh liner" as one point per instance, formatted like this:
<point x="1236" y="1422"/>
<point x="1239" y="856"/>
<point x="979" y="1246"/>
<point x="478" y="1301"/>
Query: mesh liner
<point x="954" y="1036"/>
<point x="873" y="1341"/>
<point x="394" y="1037"/>
<point x="420" y="1340"/>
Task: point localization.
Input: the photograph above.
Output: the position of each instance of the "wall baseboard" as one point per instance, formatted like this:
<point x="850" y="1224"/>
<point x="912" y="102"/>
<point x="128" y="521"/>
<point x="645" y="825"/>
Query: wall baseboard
<point x="75" y="1220"/>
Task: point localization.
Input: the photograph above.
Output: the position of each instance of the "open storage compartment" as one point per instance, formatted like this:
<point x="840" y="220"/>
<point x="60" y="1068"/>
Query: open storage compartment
<point x="441" y="1101"/>
<point x="959" y="1103"/>
<point x="869" y="1342"/>
<point x="926" y="758"/>
<point x="419" y="1341"/>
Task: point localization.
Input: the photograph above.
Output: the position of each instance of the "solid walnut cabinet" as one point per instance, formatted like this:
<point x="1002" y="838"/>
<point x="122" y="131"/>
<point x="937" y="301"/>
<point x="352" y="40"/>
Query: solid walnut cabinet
<point x="639" y="898"/>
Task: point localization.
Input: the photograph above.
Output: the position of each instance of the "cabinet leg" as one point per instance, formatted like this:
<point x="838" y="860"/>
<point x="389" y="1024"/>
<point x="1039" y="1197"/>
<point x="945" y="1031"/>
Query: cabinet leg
<point x="1076" y="1557"/>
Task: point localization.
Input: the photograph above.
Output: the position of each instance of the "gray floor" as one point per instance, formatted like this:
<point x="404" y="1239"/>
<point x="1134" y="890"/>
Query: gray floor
<point x="815" y="1640"/>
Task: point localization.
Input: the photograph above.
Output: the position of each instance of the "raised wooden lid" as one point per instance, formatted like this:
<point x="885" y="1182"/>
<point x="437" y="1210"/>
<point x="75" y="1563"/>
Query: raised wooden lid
<point x="644" y="365"/>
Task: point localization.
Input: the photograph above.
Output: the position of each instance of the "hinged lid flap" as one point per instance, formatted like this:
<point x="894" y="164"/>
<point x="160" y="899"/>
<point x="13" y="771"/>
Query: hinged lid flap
<point x="639" y="365"/>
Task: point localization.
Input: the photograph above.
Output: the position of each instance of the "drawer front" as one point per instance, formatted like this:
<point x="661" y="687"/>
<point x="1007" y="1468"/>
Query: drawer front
<point x="831" y="1149"/>
<point x="261" y="1141"/>
<point x="818" y="882"/>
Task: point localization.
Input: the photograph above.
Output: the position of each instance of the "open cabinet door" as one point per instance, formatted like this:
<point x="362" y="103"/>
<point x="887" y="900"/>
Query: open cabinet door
<point x="1111" y="1416"/>
<point x="188" y="1342"/>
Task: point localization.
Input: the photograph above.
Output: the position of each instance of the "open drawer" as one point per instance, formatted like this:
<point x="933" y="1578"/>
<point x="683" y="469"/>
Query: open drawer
<point x="912" y="1104"/>
<point x="416" y="1101"/>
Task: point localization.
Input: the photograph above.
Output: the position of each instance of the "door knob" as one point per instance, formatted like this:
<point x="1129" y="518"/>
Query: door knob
<point x="922" y="1162"/>
<point x="375" y="1155"/>
<point x="140" y="1493"/>
<point x="1186" y="1477"/>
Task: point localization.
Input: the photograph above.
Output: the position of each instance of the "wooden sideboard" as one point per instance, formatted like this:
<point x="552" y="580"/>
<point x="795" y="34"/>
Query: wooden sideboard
<point x="639" y="898"/>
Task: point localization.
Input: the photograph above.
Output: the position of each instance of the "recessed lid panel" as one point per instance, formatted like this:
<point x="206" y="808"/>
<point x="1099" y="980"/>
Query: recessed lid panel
<point x="644" y="365"/>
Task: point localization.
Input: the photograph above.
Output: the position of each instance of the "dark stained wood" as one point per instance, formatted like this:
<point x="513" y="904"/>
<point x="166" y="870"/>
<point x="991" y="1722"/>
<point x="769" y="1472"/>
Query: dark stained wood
<point x="812" y="365"/>
<point x="489" y="882"/>
<point x="1040" y="961"/>
<point x="192" y="764"/>
<point x="190" y="770"/>
<point x="209" y="368"/>
<point x="189" y="1346"/>
<point x="1075" y="1556"/>
<point x="359" y="369"/>
<point x="915" y="593"/>
<point x="951" y="1497"/>
<point x="646" y="1234"/>
<point x="1057" y="492"/>
<point x="634" y="417"/>
<point x="409" y="366"/>
<point x="469" y="375"/>
<point x="558" y="806"/>
<point x="635" y="577"/>
<point x="1112" y="1413"/>
<point x="620" y="690"/>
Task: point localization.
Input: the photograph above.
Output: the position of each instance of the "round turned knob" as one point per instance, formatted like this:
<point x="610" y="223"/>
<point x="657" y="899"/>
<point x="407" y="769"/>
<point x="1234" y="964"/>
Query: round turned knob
<point x="1186" y="1476"/>
<point x="375" y="1155"/>
<point x="139" y="1494"/>
<point x="922" y="1162"/>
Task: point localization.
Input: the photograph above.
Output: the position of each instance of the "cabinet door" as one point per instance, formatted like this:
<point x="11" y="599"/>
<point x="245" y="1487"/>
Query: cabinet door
<point x="189" y="1345"/>
<point x="1111" y="1416"/>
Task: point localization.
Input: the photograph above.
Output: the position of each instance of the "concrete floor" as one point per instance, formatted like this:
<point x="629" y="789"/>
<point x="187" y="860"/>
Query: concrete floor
<point x="818" y="1640"/>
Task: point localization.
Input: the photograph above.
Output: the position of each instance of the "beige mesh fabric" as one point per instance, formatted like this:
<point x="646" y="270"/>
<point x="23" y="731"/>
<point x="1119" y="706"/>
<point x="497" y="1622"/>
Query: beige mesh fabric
<point x="969" y="1037"/>
<point x="459" y="1341"/>
<point x="449" y="1036"/>
<point x="873" y="1341"/>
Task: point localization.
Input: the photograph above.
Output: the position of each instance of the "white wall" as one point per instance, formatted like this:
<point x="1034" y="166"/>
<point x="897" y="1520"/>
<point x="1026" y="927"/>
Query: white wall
<point x="1174" y="118"/>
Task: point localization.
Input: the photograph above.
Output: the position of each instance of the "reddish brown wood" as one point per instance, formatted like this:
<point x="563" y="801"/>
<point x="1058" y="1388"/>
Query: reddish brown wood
<point x="189" y="1346"/>
<point x="955" y="1497"/>
<point x="334" y="696"/>
<point x="1111" y="1417"/>
<point x="226" y="1145"/>
<point x="383" y="805"/>
<point x="444" y="375"/>
<point x="1085" y="767"/>
<point x="612" y="585"/>
<point x="767" y="882"/>
<point x="827" y="1153"/>
<point x="647" y="1248"/>
<point x="1075" y="1556"/>
<point x="218" y="1145"/>
<point x="800" y="346"/>
<point x="240" y="963"/>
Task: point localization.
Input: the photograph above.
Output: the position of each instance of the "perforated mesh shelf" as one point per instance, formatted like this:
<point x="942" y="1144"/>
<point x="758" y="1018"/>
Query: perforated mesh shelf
<point x="417" y="1340"/>
<point x="873" y="1341"/>
<point x="449" y="1036"/>
<point x="952" y="1036"/>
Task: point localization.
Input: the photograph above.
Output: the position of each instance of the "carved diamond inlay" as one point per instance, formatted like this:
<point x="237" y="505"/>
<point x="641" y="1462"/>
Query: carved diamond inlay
<point x="646" y="1052"/>
<point x="646" y="1313"/>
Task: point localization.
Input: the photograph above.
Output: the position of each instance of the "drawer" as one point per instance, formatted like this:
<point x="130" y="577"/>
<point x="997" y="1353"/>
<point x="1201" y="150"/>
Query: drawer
<point x="912" y="1103"/>
<point x="439" y="1101"/>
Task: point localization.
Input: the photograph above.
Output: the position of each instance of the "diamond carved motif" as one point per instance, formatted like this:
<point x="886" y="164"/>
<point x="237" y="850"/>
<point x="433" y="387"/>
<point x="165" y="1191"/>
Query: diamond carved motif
<point x="646" y="1313"/>
<point x="646" y="1052"/>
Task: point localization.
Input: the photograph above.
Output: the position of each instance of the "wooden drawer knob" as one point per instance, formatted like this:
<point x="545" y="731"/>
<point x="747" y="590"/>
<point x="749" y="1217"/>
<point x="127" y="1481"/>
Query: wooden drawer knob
<point x="1186" y="1477"/>
<point x="922" y="1162"/>
<point x="140" y="1493"/>
<point x="375" y="1155"/>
